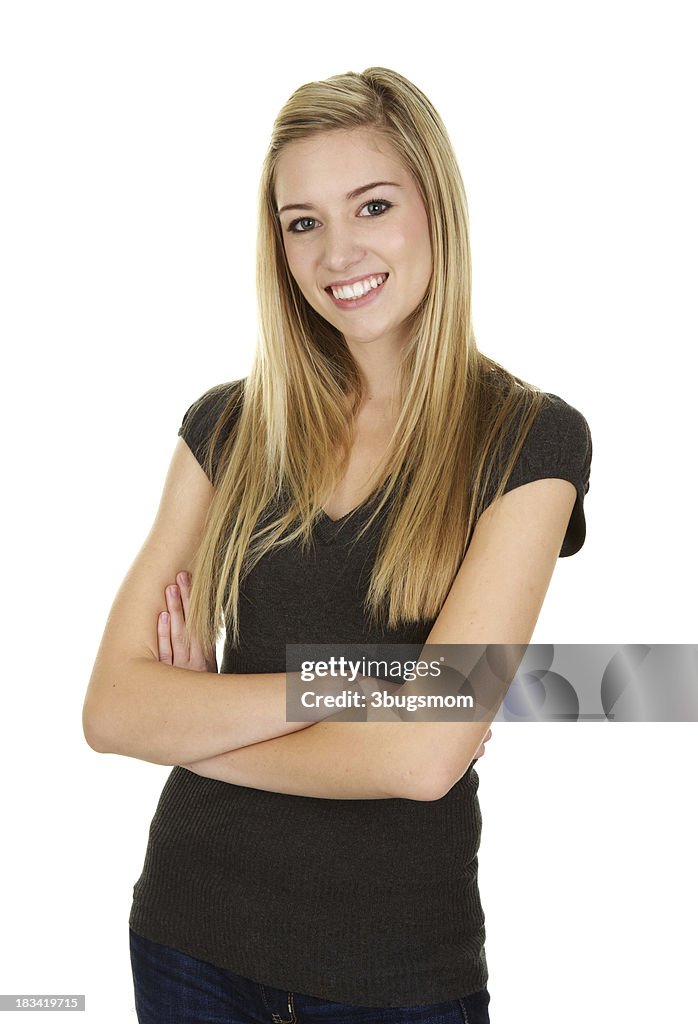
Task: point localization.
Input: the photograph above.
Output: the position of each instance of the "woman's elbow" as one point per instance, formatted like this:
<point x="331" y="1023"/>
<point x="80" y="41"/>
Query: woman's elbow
<point x="95" y="728"/>
<point x="110" y="715"/>
<point x="92" y="733"/>
<point x="102" y="711"/>
<point x="426" y="785"/>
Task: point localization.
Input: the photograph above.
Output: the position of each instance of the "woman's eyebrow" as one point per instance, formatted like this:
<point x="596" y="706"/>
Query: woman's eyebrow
<point x="355" y="192"/>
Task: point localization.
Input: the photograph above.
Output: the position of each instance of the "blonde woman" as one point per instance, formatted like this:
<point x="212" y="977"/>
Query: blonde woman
<point x="374" y="479"/>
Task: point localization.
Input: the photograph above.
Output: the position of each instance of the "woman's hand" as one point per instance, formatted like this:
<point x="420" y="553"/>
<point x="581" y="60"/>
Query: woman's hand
<point x="173" y="646"/>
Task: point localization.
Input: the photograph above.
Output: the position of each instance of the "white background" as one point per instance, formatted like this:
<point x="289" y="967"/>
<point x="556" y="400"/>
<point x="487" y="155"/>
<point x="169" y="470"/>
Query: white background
<point x="132" y="137"/>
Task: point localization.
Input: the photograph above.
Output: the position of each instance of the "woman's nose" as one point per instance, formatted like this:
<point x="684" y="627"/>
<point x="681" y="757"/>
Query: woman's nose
<point x="342" y="248"/>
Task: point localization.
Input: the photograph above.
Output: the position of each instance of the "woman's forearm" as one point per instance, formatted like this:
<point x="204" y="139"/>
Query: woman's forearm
<point x="330" y="760"/>
<point x="171" y="715"/>
<point x="347" y="760"/>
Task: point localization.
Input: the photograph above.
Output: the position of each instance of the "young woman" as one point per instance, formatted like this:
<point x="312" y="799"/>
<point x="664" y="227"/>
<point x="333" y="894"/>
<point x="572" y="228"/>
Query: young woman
<point x="375" y="479"/>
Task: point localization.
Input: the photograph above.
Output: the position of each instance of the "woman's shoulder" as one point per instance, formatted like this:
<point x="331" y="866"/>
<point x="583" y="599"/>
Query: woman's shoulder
<point x="559" y="423"/>
<point x="558" y="434"/>
<point x="213" y="401"/>
<point x="205" y="411"/>
<point x="558" y="444"/>
<point x="222" y="402"/>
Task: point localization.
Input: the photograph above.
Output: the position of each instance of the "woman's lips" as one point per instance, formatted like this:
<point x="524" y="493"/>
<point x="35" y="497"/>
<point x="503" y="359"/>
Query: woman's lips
<point x="363" y="300"/>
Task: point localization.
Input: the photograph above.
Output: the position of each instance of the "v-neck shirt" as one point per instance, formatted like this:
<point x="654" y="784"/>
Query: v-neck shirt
<point x="366" y="902"/>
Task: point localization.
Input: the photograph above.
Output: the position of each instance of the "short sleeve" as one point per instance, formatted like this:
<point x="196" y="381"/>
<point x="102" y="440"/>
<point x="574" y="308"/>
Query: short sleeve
<point x="201" y="418"/>
<point x="558" y="445"/>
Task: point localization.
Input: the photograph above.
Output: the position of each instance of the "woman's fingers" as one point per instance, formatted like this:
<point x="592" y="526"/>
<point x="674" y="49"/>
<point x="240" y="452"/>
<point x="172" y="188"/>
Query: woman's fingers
<point x="178" y="634"/>
<point x="184" y="581"/>
<point x="164" y="645"/>
<point x="174" y="646"/>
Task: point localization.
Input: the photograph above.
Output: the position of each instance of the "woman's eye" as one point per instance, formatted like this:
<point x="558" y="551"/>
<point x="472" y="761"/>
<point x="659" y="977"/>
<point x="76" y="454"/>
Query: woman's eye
<point x="375" y="207"/>
<point x="302" y="224"/>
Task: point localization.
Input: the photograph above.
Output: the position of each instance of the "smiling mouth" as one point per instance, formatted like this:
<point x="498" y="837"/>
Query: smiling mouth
<point x="353" y="292"/>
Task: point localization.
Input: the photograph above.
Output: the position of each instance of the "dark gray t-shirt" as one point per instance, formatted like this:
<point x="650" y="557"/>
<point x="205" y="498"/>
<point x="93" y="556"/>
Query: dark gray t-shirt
<point x="366" y="902"/>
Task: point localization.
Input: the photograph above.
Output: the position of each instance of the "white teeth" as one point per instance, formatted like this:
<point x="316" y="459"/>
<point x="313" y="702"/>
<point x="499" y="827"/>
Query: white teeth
<point x="355" y="291"/>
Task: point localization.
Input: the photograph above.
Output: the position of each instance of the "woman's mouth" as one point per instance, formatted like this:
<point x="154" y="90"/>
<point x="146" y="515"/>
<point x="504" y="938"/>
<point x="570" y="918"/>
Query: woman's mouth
<point x="358" y="293"/>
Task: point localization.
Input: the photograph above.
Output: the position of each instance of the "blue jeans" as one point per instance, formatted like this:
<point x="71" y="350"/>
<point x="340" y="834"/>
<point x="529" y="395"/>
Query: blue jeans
<point x="173" y="988"/>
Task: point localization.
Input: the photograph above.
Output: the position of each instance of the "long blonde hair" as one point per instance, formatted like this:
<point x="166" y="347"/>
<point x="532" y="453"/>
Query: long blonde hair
<point x="290" y="413"/>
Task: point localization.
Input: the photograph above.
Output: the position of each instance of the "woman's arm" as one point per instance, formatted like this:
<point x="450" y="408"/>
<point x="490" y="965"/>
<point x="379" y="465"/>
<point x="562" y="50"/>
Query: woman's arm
<point x="266" y="765"/>
<point x="328" y="764"/>
<point x="495" y="598"/>
<point x="137" y="706"/>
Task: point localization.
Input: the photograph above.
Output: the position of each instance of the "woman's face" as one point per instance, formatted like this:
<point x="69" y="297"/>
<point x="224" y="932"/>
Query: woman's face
<point x="355" y="232"/>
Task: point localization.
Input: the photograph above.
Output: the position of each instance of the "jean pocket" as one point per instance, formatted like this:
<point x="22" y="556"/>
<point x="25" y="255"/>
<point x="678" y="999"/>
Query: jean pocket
<point x="475" y="1007"/>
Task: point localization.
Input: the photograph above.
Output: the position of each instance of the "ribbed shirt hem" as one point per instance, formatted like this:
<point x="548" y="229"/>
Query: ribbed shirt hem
<point x="408" y="986"/>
